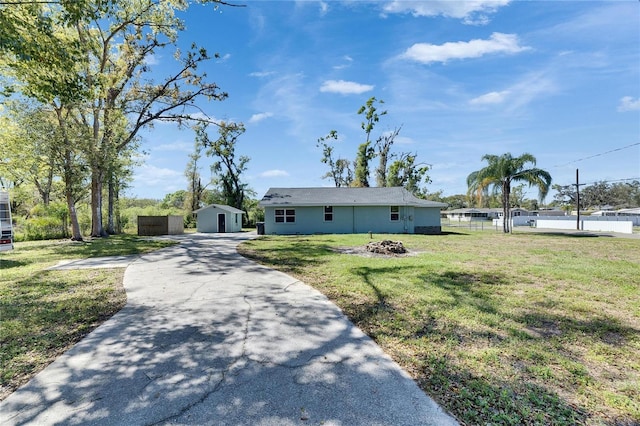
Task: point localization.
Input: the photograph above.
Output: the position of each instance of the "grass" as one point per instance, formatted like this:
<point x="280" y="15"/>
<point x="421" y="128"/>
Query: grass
<point x="499" y="329"/>
<point x="43" y="313"/>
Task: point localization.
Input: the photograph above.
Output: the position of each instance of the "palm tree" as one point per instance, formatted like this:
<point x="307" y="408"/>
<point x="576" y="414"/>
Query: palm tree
<point x="501" y="171"/>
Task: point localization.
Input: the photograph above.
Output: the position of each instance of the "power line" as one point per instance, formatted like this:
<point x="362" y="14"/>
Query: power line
<point x="597" y="155"/>
<point x="605" y="181"/>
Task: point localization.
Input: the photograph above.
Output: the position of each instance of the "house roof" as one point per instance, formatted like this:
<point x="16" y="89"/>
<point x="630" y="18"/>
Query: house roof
<point x="221" y="207"/>
<point x="395" y="196"/>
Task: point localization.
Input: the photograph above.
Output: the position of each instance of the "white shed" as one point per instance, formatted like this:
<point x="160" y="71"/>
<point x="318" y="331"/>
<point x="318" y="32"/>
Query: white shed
<point x="219" y="218"/>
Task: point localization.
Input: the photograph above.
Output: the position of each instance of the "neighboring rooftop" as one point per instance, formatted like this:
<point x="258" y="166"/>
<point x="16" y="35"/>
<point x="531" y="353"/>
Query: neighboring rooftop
<point x="329" y="196"/>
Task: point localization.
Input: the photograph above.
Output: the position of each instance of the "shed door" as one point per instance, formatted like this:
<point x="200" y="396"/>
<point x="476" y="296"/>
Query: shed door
<point x="221" y="222"/>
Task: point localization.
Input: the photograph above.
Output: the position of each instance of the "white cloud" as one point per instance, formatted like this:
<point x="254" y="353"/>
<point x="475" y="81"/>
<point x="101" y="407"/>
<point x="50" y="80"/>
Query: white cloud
<point x="629" y="104"/>
<point x="152" y="175"/>
<point x="523" y="92"/>
<point x="261" y="74"/>
<point x="347" y="63"/>
<point x="490" y="98"/>
<point x="255" y="118"/>
<point x="324" y="8"/>
<point x="152" y="60"/>
<point x="345" y="87"/>
<point x="470" y="11"/>
<point x="182" y="146"/>
<point x="404" y="140"/>
<point x="274" y="173"/>
<point x="498" y="43"/>
<point x="224" y="58"/>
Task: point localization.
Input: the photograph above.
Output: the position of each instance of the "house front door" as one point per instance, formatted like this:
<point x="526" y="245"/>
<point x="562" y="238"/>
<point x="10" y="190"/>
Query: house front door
<point x="221" y="222"/>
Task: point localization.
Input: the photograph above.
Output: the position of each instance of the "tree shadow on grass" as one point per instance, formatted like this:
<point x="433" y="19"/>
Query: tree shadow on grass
<point x="469" y="288"/>
<point x="486" y="400"/>
<point x="599" y="327"/>
<point x="9" y="263"/>
<point x="292" y="258"/>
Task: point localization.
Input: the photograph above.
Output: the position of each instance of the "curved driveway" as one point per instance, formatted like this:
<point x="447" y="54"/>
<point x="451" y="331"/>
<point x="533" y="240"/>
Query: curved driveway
<point x="209" y="337"/>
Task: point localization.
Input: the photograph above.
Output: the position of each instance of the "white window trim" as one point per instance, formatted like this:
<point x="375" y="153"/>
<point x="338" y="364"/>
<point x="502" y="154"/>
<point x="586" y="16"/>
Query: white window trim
<point x="391" y="212"/>
<point x="284" y="216"/>
<point x="325" y="213"/>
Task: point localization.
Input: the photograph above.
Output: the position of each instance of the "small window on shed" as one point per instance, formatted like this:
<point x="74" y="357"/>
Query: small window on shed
<point x="395" y="213"/>
<point x="328" y="213"/>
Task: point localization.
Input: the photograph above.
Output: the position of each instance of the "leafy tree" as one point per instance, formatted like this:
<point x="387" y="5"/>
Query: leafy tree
<point x="366" y="151"/>
<point x="73" y="167"/>
<point x="339" y="169"/>
<point x="458" y="201"/>
<point x="42" y="146"/>
<point x="38" y="54"/>
<point x="565" y="195"/>
<point x="28" y="134"/>
<point x="383" y="147"/>
<point x="196" y="189"/>
<point x="599" y="194"/>
<point x="175" y="200"/>
<point x="501" y="171"/>
<point x="405" y="172"/>
<point x="392" y="170"/>
<point x="361" y="174"/>
<point x="228" y="169"/>
<point x="98" y="70"/>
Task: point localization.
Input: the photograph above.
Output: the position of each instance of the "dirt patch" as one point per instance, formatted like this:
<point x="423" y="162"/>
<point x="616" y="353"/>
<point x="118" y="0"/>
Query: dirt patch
<point x="363" y="252"/>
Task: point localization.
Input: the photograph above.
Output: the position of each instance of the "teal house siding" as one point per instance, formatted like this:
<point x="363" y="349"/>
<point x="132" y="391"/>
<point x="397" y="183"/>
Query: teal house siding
<point x="378" y="219"/>
<point x="290" y="211"/>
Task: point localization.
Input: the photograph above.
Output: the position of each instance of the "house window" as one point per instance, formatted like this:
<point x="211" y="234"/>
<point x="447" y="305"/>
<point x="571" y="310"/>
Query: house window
<point x="236" y="218"/>
<point x="285" y="215"/>
<point x="328" y="213"/>
<point x="395" y="213"/>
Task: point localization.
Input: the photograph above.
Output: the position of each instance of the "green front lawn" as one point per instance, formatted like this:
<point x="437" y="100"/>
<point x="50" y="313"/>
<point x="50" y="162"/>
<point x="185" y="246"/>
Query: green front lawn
<point x="499" y="329"/>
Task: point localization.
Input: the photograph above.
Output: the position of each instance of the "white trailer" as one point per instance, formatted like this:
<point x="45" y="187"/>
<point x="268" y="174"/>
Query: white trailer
<point x="6" y="226"/>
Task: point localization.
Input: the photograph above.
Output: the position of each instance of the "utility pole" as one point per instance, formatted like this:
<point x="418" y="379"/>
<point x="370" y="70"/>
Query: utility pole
<point x="578" y="199"/>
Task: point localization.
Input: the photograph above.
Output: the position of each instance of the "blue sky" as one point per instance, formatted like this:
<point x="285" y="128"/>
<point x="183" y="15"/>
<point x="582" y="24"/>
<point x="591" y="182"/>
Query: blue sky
<point x="557" y="79"/>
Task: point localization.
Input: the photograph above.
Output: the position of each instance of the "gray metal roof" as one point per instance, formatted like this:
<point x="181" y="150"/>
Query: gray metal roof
<point x="396" y="196"/>
<point x="221" y="207"/>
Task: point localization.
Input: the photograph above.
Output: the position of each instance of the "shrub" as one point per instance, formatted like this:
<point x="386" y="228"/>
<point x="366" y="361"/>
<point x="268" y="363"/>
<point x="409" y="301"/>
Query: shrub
<point x="43" y="228"/>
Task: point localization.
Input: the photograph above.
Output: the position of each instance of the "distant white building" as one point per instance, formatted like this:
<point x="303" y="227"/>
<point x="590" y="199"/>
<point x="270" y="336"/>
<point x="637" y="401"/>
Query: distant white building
<point x="634" y="212"/>
<point x="481" y="213"/>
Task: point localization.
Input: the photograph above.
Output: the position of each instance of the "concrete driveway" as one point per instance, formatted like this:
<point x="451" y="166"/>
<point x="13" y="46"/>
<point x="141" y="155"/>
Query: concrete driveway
<point x="210" y="338"/>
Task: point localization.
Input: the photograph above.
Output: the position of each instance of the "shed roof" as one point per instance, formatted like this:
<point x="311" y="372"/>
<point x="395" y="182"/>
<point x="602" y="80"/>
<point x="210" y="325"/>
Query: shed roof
<point x="395" y="196"/>
<point x="221" y="207"/>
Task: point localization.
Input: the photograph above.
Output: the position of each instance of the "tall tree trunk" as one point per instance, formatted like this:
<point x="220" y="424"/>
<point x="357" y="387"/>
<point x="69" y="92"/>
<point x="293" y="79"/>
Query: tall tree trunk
<point x="76" y="235"/>
<point x="73" y="217"/>
<point x="97" y="230"/>
<point x="111" y="198"/>
<point x="506" y="189"/>
<point x="116" y="208"/>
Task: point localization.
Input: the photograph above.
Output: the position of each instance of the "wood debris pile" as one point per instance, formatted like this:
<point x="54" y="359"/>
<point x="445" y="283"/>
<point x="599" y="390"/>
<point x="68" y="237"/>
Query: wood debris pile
<point x="386" y="247"/>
